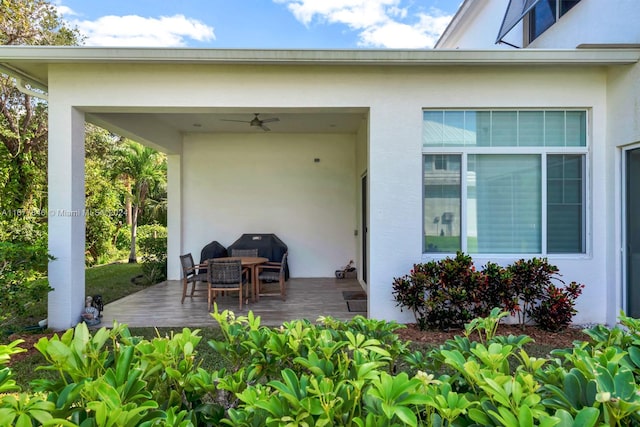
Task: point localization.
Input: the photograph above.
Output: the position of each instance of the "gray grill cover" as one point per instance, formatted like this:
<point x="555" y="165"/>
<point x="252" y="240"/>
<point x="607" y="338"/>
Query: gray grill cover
<point x="269" y="246"/>
<point x="211" y="250"/>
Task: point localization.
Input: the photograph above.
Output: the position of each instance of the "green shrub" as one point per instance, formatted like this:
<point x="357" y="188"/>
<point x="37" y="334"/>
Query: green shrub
<point x="122" y="239"/>
<point x="153" y="245"/>
<point x="450" y="292"/>
<point x="529" y="280"/>
<point x="21" y="264"/>
<point x="27" y="227"/>
<point x="151" y="231"/>
<point x="443" y="294"/>
<point x="328" y="373"/>
<point x="556" y="307"/>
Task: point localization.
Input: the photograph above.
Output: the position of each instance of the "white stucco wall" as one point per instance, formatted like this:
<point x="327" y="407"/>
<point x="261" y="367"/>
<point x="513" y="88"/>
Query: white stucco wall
<point x="594" y="22"/>
<point x="228" y="184"/>
<point x="478" y="26"/>
<point x="270" y="183"/>
<point x="588" y="22"/>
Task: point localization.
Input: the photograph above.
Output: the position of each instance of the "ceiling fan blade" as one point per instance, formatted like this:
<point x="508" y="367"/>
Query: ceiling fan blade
<point x="273" y="119"/>
<point x="264" y="128"/>
<point x="238" y="121"/>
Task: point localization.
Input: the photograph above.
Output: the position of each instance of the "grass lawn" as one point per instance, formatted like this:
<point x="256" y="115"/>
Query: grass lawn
<point x="112" y="281"/>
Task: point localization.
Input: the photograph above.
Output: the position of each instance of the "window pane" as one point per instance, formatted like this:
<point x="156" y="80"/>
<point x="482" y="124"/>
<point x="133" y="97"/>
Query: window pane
<point x="442" y="203"/>
<point x="504" y="129"/>
<point x="531" y="129"/>
<point x="576" y="129"/>
<point x="432" y="128"/>
<point x="541" y="17"/>
<point x="565" y="217"/>
<point x="504" y="204"/>
<point x="554" y="128"/>
<point x="470" y="126"/>
<point x="483" y="128"/>
<point x="454" y="128"/>
<point x="565" y="5"/>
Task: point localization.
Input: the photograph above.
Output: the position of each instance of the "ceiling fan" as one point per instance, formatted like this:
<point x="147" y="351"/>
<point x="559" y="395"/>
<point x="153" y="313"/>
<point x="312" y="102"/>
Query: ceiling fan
<point x="256" y="121"/>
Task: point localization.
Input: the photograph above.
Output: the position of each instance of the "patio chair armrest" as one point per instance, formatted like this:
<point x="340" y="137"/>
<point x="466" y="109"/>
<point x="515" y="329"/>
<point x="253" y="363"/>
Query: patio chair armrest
<point x="268" y="267"/>
<point x="190" y="269"/>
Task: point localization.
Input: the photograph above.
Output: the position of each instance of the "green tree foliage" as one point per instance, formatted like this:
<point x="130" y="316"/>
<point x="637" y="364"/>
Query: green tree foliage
<point x="103" y="206"/>
<point x="153" y="245"/>
<point x="144" y="171"/>
<point x="103" y="211"/>
<point x="34" y="23"/>
<point x="20" y="265"/>
<point x="23" y="119"/>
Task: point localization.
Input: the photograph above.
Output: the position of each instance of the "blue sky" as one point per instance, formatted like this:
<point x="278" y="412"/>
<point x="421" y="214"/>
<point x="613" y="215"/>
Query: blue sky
<point x="261" y="24"/>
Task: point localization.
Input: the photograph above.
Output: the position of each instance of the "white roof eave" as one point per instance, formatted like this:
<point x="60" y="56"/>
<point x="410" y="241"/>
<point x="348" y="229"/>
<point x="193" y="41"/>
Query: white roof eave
<point x="33" y="61"/>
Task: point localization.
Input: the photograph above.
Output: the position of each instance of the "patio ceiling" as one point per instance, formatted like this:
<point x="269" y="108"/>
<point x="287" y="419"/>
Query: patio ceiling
<point x="162" y="128"/>
<point x="299" y="120"/>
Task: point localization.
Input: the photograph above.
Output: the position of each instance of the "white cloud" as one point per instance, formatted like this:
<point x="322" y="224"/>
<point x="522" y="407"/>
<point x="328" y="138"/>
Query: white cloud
<point x="64" y="10"/>
<point x="134" y="30"/>
<point x="380" y="23"/>
<point x="395" y="35"/>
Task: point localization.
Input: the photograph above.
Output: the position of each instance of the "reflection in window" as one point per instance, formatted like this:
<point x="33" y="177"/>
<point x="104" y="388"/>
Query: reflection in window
<point x="442" y="203"/>
<point x="545" y="14"/>
<point x="504" y="209"/>
<point x="534" y="128"/>
<point x="565" y="217"/>
<point x="508" y="174"/>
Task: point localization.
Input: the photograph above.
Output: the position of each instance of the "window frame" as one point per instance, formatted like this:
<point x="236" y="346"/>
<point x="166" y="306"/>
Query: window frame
<point x="543" y="152"/>
<point x="528" y="21"/>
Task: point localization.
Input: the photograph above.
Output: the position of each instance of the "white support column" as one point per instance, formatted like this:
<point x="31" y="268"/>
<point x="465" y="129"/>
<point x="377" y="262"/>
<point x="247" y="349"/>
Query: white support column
<point x="174" y="215"/>
<point x="395" y="202"/>
<point x="66" y="215"/>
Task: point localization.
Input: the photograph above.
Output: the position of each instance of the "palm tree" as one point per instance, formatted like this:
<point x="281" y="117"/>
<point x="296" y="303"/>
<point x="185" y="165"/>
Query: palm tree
<point x="143" y="169"/>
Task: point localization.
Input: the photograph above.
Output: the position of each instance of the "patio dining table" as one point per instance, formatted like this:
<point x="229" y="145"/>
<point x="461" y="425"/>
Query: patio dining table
<point x="252" y="263"/>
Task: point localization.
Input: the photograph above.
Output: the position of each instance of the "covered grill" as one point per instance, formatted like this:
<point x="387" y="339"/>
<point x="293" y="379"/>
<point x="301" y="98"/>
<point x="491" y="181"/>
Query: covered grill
<point x="269" y="246"/>
<point x="211" y="250"/>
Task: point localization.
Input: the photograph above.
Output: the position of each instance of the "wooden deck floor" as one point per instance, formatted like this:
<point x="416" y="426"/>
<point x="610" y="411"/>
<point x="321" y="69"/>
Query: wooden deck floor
<point x="159" y="305"/>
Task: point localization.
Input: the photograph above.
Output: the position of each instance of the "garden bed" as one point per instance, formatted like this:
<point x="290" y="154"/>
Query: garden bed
<point x="562" y="339"/>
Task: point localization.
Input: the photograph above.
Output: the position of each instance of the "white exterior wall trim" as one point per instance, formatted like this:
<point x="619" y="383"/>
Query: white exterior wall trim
<point x="35" y="58"/>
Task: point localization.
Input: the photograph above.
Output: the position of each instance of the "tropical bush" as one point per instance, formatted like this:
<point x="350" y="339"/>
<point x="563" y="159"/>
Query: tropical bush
<point x="21" y="264"/>
<point x="153" y="245"/>
<point x="450" y="292"/>
<point x="329" y="373"/>
<point x="103" y="212"/>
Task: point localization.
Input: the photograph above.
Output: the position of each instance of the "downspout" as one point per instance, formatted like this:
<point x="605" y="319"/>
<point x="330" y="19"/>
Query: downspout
<point x="22" y="87"/>
<point x="25" y="83"/>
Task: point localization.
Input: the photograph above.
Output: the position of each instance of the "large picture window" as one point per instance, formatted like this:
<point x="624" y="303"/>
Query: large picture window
<point x="504" y="182"/>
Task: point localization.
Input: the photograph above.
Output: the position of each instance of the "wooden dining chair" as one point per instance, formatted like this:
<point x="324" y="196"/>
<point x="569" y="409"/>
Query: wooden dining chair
<point x="190" y="274"/>
<point x="271" y="272"/>
<point x="244" y="252"/>
<point x="223" y="276"/>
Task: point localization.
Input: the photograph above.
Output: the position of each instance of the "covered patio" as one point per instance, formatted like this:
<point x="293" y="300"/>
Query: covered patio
<point x="339" y="175"/>
<point x="307" y="298"/>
